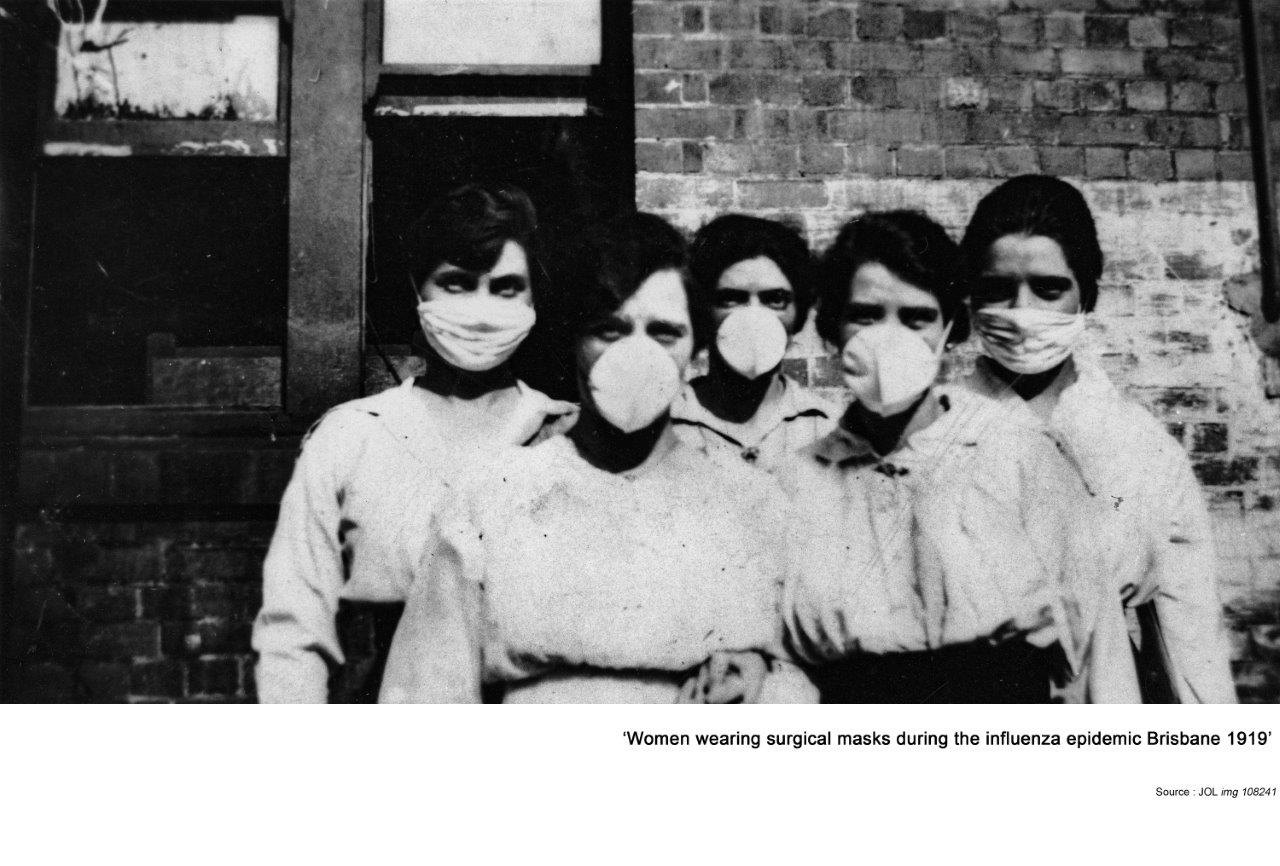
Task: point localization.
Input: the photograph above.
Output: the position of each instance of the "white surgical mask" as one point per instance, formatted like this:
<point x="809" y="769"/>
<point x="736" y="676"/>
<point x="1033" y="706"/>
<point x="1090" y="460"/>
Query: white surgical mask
<point x="475" y="332"/>
<point x="1028" y="340"/>
<point x="633" y="383"/>
<point x="888" y="367"/>
<point x="752" y="341"/>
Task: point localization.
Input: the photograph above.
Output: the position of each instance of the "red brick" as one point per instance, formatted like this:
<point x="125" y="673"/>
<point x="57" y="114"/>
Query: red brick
<point x="693" y="88"/>
<point x="881" y="58"/>
<point x="655" y="18"/>
<point x="879" y="23"/>
<point x="1021" y="60"/>
<point x="777" y="89"/>
<point x="919" y="24"/>
<point x="657" y="87"/>
<point x="1062" y="161"/>
<point x="873" y="91"/>
<point x="919" y="161"/>
<point x="733" y="19"/>
<point x="1177" y="64"/>
<point x="1235" y="165"/>
<point x="782" y="21"/>
<point x="157" y="679"/>
<point x="1150" y="164"/>
<point x="1060" y="94"/>
<point x="1195" y="164"/>
<point x="886" y="127"/>
<point x="1230" y="97"/>
<point x="1220" y="33"/>
<point x="1079" y="129"/>
<point x="824" y="90"/>
<point x="1147" y="32"/>
<point x="691" y="156"/>
<point x="693" y="19"/>
<point x="1189" y="96"/>
<point x="1106" y="31"/>
<point x="1119" y="62"/>
<point x="818" y="158"/>
<point x="1064" y="29"/>
<point x="1010" y="94"/>
<point x="755" y="54"/>
<point x="214" y="677"/>
<point x="965" y="161"/>
<point x="1104" y="162"/>
<point x="107" y="603"/>
<point x="678" y="54"/>
<point x="916" y="92"/>
<point x="1100" y="95"/>
<point x="830" y="24"/>
<point x="1209" y="438"/>
<point x="732" y="88"/>
<point x="1213" y="472"/>
<point x="772" y="194"/>
<point x="1013" y="161"/>
<point x="103" y="682"/>
<point x="1018" y="29"/>
<point x="1186" y="131"/>
<point x="659" y="156"/>
<point x="1146" y="95"/>
<point x="871" y="160"/>
<point x="122" y="640"/>
<point x="683" y="123"/>
<point x="973" y="26"/>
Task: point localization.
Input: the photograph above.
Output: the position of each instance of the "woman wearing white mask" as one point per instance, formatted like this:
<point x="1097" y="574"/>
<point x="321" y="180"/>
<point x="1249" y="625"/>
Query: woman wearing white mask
<point x="372" y="470"/>
<point x="926" y="564"/>
<point x="1032" y="265"/>
<point x="752" y="279"/>
<point x="605" y="565"/>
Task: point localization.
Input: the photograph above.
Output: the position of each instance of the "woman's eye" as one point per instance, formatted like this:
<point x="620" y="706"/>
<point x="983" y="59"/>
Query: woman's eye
<point x="776" y="300"/>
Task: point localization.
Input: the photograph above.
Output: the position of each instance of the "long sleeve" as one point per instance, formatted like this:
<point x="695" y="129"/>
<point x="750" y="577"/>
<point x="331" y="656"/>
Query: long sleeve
<point x="1186" y="599"/>
<point x="295" y="633"/>
<point x="436" y="653"/>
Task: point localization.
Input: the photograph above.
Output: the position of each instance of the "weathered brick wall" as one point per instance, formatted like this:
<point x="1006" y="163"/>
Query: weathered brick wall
<point x="814" y="111"/>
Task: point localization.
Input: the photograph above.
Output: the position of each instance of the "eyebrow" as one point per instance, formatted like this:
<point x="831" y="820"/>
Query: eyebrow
<point x="918" y="311"/>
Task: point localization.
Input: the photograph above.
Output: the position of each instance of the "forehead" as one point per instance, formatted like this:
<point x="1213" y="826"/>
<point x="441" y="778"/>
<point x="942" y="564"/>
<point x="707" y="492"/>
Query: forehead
<point x="512" y="261"/>
<point x="760" y="272"/>
<point x="661" y="296"/>
<point x="873" y="283"/>
<point x="1028" y="254"/>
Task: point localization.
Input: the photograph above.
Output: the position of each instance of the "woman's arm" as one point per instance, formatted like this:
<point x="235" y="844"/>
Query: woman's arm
<point x="295" y="633"/>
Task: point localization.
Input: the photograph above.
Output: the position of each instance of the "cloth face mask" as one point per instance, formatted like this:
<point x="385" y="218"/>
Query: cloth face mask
<point x="1028" y="340"/>
<point x="633" y="383"/>
<point x="752" y="341"/>
<point x="889" y="366"/>
<point x="475" y="332"/>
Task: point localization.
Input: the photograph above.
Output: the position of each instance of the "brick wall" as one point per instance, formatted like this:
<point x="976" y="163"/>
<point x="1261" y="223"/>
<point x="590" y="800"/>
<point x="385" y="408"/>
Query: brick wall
<point x="812" y="112"/>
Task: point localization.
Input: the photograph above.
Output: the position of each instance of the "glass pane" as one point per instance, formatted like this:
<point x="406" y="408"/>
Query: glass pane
<point x="492" y="32"/>
<point x="149" y="70"/>
<point x="159" y="281"/>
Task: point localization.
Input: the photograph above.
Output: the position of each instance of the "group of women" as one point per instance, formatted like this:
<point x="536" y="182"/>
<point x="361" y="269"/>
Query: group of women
<point x="1025" y="534"/>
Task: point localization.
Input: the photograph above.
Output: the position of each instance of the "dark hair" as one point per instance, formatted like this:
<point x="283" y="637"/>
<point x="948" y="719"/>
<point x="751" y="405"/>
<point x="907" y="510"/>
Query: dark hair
<point x="1036" y="204"/>
<point x="733" y="238"/>
<point x="468" y="227"/>
<point x="612" y="264"/>
<point x="912" y="246"/>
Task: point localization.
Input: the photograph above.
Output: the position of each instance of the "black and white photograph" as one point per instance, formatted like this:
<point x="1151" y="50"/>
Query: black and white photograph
<point x="866" y="352"/>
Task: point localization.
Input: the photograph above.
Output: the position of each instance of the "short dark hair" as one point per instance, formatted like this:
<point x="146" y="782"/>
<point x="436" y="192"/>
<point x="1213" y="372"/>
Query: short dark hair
<point x="612" y="264"/>
<point x="911" y="246"/>
<point x="733" y="238"/>
<point x="1036" y="204"/>
<point x="468" y="227"/>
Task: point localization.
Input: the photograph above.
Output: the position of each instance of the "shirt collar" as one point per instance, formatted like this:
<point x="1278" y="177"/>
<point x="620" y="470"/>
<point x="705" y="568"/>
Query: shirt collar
<point x="787" y="398"/>
<point x="842" y="446"/>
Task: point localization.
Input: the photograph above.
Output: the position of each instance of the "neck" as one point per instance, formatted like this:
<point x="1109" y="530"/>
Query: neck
<point x="610" y="449"/>
<point x="731" y="396"/>
<point x="444" y="379"/>
<point x="1030" y="386"/>
<point x="884" y="432"/>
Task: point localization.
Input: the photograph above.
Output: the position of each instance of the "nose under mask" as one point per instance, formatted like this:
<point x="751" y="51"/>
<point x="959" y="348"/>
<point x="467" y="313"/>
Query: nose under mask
<point x="475" y="332"/>
<point x="889" y="366"/>
<point x="752" y="341"/>
<point x="633" y="383"/>
<point x="1028" y="340"/>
